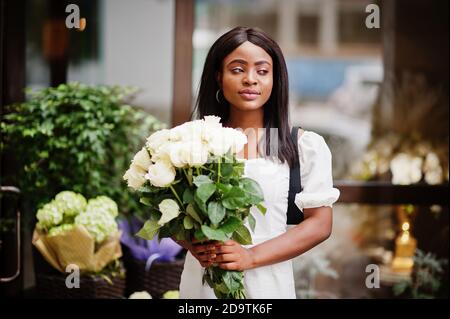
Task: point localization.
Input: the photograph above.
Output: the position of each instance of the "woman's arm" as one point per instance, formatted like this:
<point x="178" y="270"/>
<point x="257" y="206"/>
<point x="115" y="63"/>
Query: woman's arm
<point x="312" y="231"/>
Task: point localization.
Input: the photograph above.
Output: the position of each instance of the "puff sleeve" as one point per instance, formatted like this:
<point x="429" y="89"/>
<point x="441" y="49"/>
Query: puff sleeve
<point x="315" y="172"/>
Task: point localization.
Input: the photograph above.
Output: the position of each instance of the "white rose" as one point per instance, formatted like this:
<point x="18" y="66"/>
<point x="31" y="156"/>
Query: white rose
<point x="434" y="176"/>
<point x="194" y="131"/>
<point x="142" y="159"/>
<point x="431" y="162"/>
<point x="157" y="139"/>
<point x="195" y="153"/>
<point x="406" y="169"/>
<point x="177" y="154"/>
<point x="239" y="139"/>
<point x="161" y="174"/>
<point x="135" y="177"/>
<point x="218" y="142"/>
<point x="169" y="210"/>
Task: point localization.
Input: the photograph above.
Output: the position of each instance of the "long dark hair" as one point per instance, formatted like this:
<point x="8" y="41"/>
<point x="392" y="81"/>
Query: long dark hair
<point x="276" y="113"/>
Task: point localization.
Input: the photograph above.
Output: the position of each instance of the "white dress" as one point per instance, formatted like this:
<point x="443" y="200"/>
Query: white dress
<point x="274" y="281"/>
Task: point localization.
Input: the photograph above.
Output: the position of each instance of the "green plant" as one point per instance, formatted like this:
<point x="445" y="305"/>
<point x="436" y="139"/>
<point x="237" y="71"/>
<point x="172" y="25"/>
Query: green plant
<point x="426" y="278"/>
<point x="75" y="137"/>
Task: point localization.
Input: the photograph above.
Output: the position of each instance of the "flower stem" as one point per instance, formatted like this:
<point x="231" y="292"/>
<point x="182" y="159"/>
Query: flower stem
<point x="218" y="171"/>
<point x="176" y="195"/>
<point x="187" y="177"/>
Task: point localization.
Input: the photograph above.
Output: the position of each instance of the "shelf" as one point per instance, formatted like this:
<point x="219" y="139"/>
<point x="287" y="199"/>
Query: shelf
<point x="380" y="193"/>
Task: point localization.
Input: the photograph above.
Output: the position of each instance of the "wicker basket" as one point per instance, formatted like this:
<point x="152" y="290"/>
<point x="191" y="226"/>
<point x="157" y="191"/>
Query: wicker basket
<point x="52" y="284"/>
<point x="161" y="277"/>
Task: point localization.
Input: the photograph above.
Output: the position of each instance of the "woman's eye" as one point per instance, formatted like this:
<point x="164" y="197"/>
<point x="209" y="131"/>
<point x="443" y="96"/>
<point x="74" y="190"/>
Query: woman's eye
<point x="263" y="72"/>
<point x="237" y="70"/>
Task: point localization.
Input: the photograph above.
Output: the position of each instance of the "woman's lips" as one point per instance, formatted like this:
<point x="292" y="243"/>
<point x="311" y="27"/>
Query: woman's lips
<point x="249" y="95"/>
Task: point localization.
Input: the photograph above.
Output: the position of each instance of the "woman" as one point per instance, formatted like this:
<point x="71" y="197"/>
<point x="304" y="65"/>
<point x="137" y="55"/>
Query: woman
<point x="245" y="82"/>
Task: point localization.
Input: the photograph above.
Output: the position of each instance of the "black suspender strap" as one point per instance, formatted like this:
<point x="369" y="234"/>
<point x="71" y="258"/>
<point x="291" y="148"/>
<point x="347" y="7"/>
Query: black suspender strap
<point x="294" y="214"/>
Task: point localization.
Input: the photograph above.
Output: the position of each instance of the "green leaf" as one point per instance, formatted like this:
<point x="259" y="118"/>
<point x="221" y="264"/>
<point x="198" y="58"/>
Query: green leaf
<point x="190" y="210"/>
<point x="205" y="191"/>
<point x="201" y="205"/>
<point x="202" y="179"/>
<point x="223" y="188"/>
<point x="149" y="230"/>
<point x="199" y="235"/>
<point x="226" y="169"/>
<point x="188" y="197"/>
<point x="242" y="235"/>
<point x="216" y="212"/>
<point x="261" y="208"/>
<point x="251" y="222"/>
<point x="188" y="222"/>
<point x="235" y="198"/>
<point x="252" y="189"/>
<point x="146" y="201"/>
<point x="214" y="234"/>
<point x="233" y="280"/>
<point x="230" y="225"/>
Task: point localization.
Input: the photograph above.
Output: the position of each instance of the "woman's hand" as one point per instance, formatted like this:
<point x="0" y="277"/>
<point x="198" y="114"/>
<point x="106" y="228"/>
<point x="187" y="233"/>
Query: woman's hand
<point x="232" y="256"/>
<point x="204" y="251"/>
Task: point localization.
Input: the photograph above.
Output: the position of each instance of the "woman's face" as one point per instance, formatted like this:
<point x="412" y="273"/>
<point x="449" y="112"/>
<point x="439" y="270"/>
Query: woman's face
<point x="247" y="77"/>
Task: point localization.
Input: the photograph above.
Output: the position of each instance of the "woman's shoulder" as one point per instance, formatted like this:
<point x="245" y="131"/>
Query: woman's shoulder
<point x="312" y="144"/>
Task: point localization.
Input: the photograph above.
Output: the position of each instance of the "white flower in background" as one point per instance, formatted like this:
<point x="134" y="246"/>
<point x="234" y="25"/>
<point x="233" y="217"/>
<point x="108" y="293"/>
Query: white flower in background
<point x="157" y="139"/>
<point x="431" y="162"/>
<point x="433" y="171"/>
<point x="70" y="203"/>
<point x="49" y="215"/>
<point x="406" y="169"/>
<point x="422" y="148"/>
<point x="169" y="210"/>
<point x="140" y="295"/>
<point x="434" y="176"/>
<point x="161" y="174"/>
<point x="98" y="223"/>
<point x="135" y="175"/>
<point x="103" y="203"/>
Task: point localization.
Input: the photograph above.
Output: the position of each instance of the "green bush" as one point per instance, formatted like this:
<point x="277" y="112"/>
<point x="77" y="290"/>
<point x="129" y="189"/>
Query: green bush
<point x="75" y="137"/>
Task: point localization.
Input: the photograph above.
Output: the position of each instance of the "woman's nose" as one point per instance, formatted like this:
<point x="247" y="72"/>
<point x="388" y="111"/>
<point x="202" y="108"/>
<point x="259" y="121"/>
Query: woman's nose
<point x="250" y="79"/>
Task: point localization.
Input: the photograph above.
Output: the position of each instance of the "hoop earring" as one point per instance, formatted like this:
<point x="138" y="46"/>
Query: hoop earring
<point x="217" y="96"/>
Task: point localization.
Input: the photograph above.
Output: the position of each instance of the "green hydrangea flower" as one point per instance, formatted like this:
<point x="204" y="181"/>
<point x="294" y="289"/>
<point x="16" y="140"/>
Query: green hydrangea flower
<point x="71" y="203"/>
<point x="103" y="203"/>
<point x="171" y="294"/>
<point x="98" y="223"/>
<point x="60" y="229"/>
<point x="49" y="215"/>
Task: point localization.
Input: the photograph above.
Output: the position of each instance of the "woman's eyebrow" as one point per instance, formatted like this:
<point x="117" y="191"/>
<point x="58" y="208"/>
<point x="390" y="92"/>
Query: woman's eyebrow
<point x="241" y="61"/>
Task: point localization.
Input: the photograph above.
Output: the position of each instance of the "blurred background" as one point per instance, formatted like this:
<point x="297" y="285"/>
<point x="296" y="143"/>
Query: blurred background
<point x="369" y="76"/>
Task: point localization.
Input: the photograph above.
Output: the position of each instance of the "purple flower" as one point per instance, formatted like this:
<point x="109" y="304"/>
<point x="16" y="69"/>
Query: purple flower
<point x="148" y="250"/>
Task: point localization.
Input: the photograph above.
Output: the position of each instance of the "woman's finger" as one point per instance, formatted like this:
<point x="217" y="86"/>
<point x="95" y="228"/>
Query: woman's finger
<point x="229" y="266"/>
<point x="226" y="258"/>
<point x="204" y="248"/>
<point x="221" y="249"/>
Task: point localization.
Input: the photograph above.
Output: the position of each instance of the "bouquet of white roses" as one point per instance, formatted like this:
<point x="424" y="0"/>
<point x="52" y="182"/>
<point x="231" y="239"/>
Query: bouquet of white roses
<point x="193" y="183"/>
